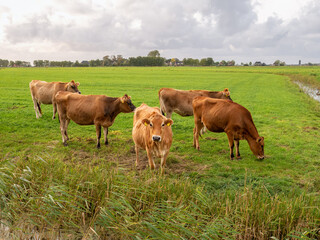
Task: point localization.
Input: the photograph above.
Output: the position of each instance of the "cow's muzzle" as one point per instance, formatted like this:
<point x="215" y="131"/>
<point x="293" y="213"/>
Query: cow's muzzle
<point x="156" y="138"/>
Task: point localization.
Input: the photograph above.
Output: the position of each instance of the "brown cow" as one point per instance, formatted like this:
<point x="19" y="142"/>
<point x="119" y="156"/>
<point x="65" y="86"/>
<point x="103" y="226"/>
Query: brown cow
<point x="98" y="110"/>
<point x="44" y="92"/>
<point x="180" y="101"/>
<point x="152" y="132"/>
<point x="226" y="116"/>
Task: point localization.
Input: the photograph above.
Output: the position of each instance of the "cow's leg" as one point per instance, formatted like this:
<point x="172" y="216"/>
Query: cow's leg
<point x="151" y="162"/>
<point x="39" y="108"/>
<point x="35" y="106"/>
<point x="54" y="110"/>
<point x="105" y="132"/>
<point x="169" y="114"/>
<point x="98" y="131"/>
<point x="63" y="129"/>
<point x="231" y="144"/>
<point x="137" y="155"/>
<point x="65" y="132"/>
<point x="163" y="161"/>
<point x="198" y="125"/>
<point x="237" y="149"/>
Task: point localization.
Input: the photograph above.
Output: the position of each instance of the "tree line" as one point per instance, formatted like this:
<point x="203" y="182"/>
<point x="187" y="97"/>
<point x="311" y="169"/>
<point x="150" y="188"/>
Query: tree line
<point x="152" y="59"/>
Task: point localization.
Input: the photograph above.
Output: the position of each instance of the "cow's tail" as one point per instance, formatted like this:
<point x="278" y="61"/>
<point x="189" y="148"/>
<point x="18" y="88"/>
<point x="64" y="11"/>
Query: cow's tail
<point x="162" y="107"/>
<point x="38" y="105"/>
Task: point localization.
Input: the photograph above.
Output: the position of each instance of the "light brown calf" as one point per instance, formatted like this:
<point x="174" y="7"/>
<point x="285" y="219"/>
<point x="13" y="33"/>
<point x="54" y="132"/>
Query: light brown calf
<point x="152" y="132"/>
<point x="44" y="92"/>
<point x="226" y="116"/>
<point x="98" y="110"/>
<point x="180" y="101"/>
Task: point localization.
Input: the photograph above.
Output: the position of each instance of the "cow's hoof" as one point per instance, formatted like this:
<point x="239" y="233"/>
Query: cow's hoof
<point x="65" y="144"/>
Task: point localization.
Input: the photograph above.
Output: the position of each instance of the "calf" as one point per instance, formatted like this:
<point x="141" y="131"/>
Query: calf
<point x="98" y="110"/>
<point x="152" y="132"/>
<point x="44" y="92"/>
<point x="180" y="101"/>
<point x="218" y="115"/>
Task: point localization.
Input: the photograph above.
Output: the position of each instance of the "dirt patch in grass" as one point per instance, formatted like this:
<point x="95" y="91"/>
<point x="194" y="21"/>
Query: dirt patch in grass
<point x="175" y="164"/>
<point x="308" y="129"/>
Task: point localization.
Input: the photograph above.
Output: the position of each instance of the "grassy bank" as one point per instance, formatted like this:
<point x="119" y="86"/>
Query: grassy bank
<point x="79" y="191"/>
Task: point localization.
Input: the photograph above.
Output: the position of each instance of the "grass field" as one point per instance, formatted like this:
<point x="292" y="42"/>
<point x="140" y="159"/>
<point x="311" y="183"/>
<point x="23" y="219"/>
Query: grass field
<point x="81" y="192"/>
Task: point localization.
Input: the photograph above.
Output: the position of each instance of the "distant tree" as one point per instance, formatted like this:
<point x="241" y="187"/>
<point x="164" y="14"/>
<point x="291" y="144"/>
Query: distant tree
<point x="120" y="60"/>
<point x="191" y="62"/>
<point x="106" y="61"/>
<point x="250" y="63"/>
<point x="154" y="53"/>
<point x="223" y="63"/>
<point x="46" y="63"/>
<point x="146" y="61"/>
<point x="282" y="63"/>
<point x="76" y="64"/>
<point x="276" y="63"/>
<point x="11" y="63"/>
<point x="4" y="63"/>
<point x="210" y="61"/>
<point x="231" y="63"/>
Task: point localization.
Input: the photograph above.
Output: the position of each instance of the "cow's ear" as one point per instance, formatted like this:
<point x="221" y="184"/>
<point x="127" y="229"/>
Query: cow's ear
<point x="146" y="121"/>
<point x="260" y="140"/>
<point x="124" y="98"/>
<point x="226" y="92"/>
<point x="77" y="83"/>
<point x="168" y="122"/>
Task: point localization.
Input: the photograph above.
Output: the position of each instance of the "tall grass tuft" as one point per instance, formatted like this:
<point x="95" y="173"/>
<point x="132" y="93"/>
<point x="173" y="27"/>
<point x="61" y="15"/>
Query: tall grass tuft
<point x="57" y="200"/>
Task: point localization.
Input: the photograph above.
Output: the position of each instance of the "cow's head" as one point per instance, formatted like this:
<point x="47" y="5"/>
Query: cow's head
<point x="126" y="104"/>
<point x="157" y="125"/>
<point x="257" y="147"/>
<point x="226" y="94"/>
<point x="73" y="87"/>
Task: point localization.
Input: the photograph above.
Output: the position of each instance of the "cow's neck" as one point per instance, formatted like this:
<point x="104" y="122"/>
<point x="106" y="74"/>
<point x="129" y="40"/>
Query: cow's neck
<point x="252" y="133"/>
<point x="112" y="108"/>
<point x="214" y="94"/>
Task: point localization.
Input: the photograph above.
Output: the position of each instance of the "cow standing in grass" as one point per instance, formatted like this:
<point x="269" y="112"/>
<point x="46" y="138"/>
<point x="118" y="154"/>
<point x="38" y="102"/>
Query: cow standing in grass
<point x="218" y="115"/>
<point x="152" y="132"/>
<point x="44" y="92"/>
<point x="180" y="101"/>
<point x="98" y="110"/>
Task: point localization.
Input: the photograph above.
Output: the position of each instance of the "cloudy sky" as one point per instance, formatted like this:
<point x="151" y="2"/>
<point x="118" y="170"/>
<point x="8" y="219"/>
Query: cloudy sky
<point x="242" y="30"/>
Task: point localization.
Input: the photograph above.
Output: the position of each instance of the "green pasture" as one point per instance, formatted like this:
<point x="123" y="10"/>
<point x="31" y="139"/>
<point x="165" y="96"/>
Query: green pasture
<point x="98" y="194"/>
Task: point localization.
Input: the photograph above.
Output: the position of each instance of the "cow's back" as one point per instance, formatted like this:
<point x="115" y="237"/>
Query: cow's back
<point x="43" y="91"/>
<point x="144" y="111"/>
<point x="219" y="115"/>
<point x="179" y="101"/>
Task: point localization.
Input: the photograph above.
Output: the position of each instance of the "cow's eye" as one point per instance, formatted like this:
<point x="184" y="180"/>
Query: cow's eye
<point x="162" y="125"/>
<point x="151" y="125"/>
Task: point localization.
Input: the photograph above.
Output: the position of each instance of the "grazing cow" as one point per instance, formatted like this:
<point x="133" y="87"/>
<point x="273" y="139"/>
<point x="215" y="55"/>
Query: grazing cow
<point x="218" y="115"/>
<point x="152" y="132"/>
<point x="98" y="110"/>
<point x="180" y="101"/>
<point x="44" y="92"/>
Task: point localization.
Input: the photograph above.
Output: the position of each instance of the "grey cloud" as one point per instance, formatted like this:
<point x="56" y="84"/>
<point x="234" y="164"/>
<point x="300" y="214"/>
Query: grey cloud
<point x="229" y="28"/>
